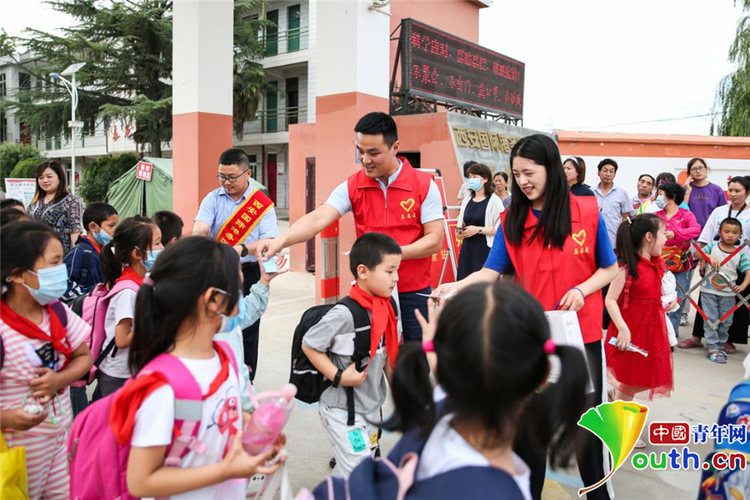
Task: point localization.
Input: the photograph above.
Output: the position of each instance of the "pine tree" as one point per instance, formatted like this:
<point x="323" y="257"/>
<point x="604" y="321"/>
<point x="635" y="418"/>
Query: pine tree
<point x="127" y="47"/>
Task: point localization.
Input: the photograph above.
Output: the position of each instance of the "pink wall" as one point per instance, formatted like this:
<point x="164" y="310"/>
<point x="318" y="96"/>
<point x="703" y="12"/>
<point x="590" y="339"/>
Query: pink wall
<point x="301" y="147"/>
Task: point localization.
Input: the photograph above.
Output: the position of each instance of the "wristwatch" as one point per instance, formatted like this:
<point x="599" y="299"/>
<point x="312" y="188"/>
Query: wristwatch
<point x="244" y="250"/>
<point x="337" y="378"/>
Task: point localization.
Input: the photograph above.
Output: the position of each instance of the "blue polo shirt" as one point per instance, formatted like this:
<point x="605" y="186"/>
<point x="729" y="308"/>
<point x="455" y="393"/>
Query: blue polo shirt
<point x="216" y="208"/>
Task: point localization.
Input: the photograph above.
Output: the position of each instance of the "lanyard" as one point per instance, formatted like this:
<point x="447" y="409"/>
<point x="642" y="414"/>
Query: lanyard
<point x="729" y="211"/>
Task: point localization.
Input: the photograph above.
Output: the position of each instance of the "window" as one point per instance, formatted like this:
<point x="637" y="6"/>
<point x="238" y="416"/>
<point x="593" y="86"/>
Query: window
<point x="294" y="15"/>
<point x="292" y="101"/>
<point x="272" y="33"/>
<point x="24" y="84"/>
<point x="3" y="88"/>
<point x="3" y="124"/>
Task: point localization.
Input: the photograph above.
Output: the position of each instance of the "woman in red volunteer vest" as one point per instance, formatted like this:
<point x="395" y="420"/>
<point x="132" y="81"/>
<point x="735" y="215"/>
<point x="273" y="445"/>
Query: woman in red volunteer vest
<point x="557" y="247"/>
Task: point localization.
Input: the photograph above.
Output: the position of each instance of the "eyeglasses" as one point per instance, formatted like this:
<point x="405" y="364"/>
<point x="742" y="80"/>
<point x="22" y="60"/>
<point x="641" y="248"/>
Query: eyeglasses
<point x="231" y="179"/>
<point x="698" y="169"/>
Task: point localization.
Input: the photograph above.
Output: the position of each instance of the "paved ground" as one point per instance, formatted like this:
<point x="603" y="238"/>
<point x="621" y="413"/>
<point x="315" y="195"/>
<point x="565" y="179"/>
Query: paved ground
<point x="701" y="390"/>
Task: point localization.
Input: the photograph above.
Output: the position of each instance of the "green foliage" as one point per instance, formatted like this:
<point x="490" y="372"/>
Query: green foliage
<point x="26" y="169"/>
<point x="733" y="94"/>
<point x="12" y="154"/>
<point x="127" y="48"/>
<point x="101" y="173"/>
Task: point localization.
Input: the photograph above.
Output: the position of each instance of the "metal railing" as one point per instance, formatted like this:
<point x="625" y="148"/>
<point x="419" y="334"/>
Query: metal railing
<point x="276" y="120"/>
<point x="284" y="42"/>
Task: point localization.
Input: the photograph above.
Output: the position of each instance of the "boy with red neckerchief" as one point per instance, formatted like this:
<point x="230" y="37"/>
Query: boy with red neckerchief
<point x="329" y="345"/>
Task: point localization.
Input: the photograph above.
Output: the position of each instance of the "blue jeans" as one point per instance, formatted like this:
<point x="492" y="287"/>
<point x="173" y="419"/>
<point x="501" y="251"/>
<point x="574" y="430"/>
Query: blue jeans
<point x="683" y="279"/>
<point x="408" y="301"/>
<point x="716" y="306"/>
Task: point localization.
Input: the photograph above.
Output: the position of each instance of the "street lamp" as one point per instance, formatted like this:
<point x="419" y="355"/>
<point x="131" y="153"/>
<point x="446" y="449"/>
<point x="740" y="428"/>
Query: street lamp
<point x="72" y="89"/>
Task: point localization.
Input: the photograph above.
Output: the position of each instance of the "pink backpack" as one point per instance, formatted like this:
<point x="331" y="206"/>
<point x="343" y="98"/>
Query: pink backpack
<point x="93" y="309"/>
<point x="100" y="470"/>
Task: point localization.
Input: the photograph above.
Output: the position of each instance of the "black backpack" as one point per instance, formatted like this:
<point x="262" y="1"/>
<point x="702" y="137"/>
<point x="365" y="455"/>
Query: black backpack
<point x="309" y="381"/>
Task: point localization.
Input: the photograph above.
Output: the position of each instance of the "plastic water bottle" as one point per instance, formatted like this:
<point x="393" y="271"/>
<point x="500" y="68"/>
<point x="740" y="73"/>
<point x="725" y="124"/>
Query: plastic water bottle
<point x="269" y="419"/>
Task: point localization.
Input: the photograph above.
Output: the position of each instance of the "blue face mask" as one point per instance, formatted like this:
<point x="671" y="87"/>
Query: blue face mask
<point x="102" y="237"/>
<point x="53" y="283"/>
<point x="475" y="184"/>
<point x="659" y="201"/>
<point x="148" y="264"/>
<point x="229" y="323"/>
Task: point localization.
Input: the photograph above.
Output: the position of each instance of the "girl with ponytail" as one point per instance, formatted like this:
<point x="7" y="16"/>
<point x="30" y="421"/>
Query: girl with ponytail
<point x="634" y="303"/>
<point x="490" y="392"/>
<point x="128" y="257"/>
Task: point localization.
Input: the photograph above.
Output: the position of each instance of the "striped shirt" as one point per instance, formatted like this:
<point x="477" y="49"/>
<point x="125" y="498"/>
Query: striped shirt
<point x="18" y="371"/>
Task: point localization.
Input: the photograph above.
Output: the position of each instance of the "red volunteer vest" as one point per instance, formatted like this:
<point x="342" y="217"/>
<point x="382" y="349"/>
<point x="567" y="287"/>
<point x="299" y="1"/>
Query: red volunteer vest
<point x="398" y="216"/>
<point x="548" y="272"/>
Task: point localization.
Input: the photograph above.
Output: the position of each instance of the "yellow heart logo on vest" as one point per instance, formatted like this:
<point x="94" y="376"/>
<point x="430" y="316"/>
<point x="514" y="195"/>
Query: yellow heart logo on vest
<point x="580" y="237"/>
<point x="408" y="204"/>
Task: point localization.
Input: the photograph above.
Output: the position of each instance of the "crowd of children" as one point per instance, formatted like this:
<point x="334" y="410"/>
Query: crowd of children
<point x="173" y="308"/>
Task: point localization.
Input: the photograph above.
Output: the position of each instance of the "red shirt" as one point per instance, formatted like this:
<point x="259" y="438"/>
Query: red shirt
<point x="398" y="215"/>
<point x="548" y="273"/>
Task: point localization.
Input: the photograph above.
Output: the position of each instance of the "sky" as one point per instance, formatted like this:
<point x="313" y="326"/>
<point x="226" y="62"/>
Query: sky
<point x="598" y="65"/>
<point x="639" y="66"/>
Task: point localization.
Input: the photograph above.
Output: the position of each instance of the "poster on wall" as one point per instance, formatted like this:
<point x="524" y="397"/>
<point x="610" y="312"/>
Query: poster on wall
<point x="20" y="189"/>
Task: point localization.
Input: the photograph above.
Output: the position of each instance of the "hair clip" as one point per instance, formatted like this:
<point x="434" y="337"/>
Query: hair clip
<point x="630" y="221"/>
<point x="113" y="250"/>
<point x="428" y="346"/>
<point x="550" y="346"/>
<point x="148" y="281"/>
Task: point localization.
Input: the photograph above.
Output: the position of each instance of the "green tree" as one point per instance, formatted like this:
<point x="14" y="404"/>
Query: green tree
<point x="101" y="173"/>
<point x="12" y="154"/>
<point x="26" y="169"/>
<point x="249" y="79"/>
<point x="127" y="47"/>
<point x="732" y="104"/>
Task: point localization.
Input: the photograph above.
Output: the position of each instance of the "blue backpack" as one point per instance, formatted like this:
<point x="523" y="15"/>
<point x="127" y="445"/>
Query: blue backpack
<point x="395" y="478"/>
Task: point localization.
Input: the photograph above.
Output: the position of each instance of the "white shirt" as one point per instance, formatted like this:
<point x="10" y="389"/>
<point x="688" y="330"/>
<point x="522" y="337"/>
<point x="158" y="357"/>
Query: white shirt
<point x="711" y="229"/>
<point x="222" y="418"/>
<point x="432" y="206"/>
<point x="121" y="306"/>
<point x="447" y="450"/>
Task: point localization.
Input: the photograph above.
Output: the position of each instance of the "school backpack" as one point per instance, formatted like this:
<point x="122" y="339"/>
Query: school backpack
<point x="98" y="463"/>
<point x="309" y="381"/>
<point x="395" y="477"/>
<point x="92" y="307"/>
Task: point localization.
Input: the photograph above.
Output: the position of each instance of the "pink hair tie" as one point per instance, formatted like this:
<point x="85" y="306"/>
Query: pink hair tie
<point x="428" y="346"/>
<point x="550" y="346"/>
<point x="148" y="281"/>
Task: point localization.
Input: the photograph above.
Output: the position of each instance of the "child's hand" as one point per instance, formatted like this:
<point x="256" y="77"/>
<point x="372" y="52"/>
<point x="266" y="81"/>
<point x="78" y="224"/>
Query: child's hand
<point x="46" y="385"/>
<point x="702" y="268"/>
<point x="739" y="288"/>
<point x="351" y="377"/>
<point x="428" y="325"/>
<point x="715" y="263"/>
<point x="239" y="465"/>
<point x="623" y="339"/>
<point x="17" y="419"/>
<point x="265" y="277"/>
<point x="670" y="306"/>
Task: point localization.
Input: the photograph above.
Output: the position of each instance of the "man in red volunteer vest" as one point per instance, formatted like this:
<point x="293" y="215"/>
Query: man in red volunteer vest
<point x="386" y="196"/>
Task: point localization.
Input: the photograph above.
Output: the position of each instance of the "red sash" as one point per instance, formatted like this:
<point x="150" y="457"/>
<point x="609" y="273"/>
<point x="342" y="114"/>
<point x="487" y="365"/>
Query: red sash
<point x="241" y="223"/>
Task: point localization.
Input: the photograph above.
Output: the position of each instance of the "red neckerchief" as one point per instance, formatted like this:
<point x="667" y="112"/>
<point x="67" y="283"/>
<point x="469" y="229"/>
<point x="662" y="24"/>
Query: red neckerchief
<point x="58" y="335"/>
<point x="129" y="274"/>
<point x="383" y="322"/>
<point x="93" y="244"/>
<point x="131" y="397"/>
